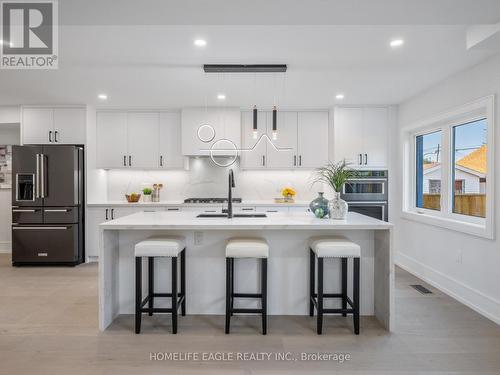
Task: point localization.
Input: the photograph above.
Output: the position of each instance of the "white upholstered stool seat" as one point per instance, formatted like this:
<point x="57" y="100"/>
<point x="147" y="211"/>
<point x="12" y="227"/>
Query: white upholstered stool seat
<point x="247" y="248"/>
<point x="334" y="247"/>
<point x="160" y="247"/>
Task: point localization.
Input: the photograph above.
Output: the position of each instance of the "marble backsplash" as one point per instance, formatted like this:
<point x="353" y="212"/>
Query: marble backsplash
<point x="204" y="179"/>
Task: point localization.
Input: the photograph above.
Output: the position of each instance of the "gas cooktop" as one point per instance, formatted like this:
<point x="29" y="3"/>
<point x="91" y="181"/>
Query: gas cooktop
<point x="210" y="200"/>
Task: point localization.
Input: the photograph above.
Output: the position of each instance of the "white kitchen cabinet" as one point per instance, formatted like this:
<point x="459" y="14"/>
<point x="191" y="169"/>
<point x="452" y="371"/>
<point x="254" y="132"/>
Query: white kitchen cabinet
<point x="43" y="125"/>
<point x="312" y="139"/>
<point x="170" y="153"/>
<point x="220" y="123"/>
<point x="69" y="126"/>
<point x="361" y="136"/>
<point x="142" y="139"/>
<point x="112" y="140"/>
<point x="254" y="154"/>
<point x="286" y="138"/>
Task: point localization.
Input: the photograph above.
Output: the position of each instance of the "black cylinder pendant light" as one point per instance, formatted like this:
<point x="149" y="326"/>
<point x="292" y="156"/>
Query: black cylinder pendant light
<point x="275" y="123"/>
<point x="255" y="133"/>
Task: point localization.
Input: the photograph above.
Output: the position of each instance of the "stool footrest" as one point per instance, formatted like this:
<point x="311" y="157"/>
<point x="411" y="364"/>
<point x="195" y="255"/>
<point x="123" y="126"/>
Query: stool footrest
<point x="148" y="298"/>
<point x="246" y="295"/>
<point x="330" y="295"/>
<point x="250" y="311"/>
<point x="338" y="311"/>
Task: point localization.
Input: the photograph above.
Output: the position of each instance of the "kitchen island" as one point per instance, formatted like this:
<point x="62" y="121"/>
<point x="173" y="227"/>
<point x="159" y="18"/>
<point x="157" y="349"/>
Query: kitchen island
<point x="288" y="267"/>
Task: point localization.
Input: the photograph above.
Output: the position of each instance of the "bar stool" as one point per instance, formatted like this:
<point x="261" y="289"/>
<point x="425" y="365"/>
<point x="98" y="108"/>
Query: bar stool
<point x="246" y="248"/>
<point x="151" y="248"/>
<point x="334" y="247"/>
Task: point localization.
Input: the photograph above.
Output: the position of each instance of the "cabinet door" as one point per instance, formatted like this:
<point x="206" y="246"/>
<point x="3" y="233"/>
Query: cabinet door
<point x="95" y="216"/>
<point x="69" y="126"/>
<point x="254" y="149"/>
<point x="287" y="138"/>
<point x="375" y="128"/>
<point x="348" y="135"/>
<point x="170" y="156"/>
<point x="38" y="126"/>
<point x="111" y="140"/>
<point x="312" y="139"/>
<point x="143" y="130"/>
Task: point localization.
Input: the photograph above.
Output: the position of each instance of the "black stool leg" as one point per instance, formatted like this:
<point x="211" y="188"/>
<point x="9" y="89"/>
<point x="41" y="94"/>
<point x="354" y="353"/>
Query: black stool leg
<point x="344" y="284"/>
<point x="264" y="294"/>
<point x="232" y="285"/>
<point x="174" y="295"/>
<point x="320" y="296"/>
<point x="183" y="282"/>
<point x="312" y="279"/>
<point x="228" y="294"/>
<point x="356" y="295"/>
<point x="138" y="293"/>
<point x="151" y="276"/>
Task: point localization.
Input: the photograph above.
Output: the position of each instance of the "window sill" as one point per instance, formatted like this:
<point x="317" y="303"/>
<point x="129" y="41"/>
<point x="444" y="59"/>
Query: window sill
<point x="484" y="231"/>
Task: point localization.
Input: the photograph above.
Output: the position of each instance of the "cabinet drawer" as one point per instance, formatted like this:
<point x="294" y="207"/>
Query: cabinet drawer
<point x="44" y="244"/>
<point x="27" y="215"/>
<point x="60" y="215"/>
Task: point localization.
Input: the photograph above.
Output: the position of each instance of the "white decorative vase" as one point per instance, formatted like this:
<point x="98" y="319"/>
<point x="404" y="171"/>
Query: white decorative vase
<point x="338" y="207"/>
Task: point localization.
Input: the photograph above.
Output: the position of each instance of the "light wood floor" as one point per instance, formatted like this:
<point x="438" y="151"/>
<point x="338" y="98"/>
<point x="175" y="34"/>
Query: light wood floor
<point x="48" y="325"/>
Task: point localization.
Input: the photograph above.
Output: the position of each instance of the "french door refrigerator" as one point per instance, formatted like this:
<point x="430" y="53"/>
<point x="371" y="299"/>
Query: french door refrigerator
<point x="47" y="205"/>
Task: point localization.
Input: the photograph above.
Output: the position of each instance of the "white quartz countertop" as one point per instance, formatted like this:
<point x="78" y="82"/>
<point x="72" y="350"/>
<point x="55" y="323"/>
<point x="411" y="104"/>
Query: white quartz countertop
<point x="189" y="221"/>
<point x="181" y="203"/>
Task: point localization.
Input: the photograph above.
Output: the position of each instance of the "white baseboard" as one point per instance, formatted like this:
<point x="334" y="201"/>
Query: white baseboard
<point x="5" y="247"/>
<point x="473" y="298"/>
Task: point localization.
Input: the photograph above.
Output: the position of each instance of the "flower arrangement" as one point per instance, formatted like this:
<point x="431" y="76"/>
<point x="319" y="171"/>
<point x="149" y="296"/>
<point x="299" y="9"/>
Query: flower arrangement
<point x="288" y="193"/>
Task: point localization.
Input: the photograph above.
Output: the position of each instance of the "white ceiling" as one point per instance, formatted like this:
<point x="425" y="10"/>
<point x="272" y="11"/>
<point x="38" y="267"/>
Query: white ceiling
<point x="158" y="66"/>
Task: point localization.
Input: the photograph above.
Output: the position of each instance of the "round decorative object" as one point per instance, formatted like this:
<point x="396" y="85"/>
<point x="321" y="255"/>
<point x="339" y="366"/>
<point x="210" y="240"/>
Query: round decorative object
<point x="319" y="206"/>
<point x="224" y="152"/>
<point x="338" y="208"/>
<point x="206" y="133"/>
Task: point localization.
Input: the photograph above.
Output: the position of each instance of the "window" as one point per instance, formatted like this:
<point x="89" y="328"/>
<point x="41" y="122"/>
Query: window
<point x="470" y="167"/>
<point x="448" y="169"/>
<point x="428" y="170"/>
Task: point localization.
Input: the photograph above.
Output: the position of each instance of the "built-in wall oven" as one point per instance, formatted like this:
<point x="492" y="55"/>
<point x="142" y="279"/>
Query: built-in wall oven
<point x="367" y="194"/>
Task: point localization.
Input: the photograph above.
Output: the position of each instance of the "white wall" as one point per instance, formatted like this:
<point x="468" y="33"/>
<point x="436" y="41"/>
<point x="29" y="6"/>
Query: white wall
<point x="465" y="266"/>
<point x="204" y="179"/>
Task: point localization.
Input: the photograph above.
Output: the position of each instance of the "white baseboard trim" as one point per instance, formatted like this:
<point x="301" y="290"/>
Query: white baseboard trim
<point x="5" y="247"/>
<point x="473" y="298"/>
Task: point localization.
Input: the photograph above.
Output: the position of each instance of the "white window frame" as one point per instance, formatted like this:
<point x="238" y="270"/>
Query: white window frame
<point x="445" y="122"/>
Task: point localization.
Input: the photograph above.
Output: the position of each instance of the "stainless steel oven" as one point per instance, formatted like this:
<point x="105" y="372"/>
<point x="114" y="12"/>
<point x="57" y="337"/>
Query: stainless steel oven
<point x="367" y="193"/>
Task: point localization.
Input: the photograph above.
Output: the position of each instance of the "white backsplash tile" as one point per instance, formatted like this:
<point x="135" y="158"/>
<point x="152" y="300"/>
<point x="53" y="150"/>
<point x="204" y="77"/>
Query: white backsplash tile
<point x="205" y="179"/>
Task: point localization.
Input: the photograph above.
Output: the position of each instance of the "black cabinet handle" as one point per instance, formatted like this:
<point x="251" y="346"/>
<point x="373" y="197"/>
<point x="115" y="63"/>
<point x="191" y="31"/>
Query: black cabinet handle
<point x="300" y="160"/>
<point x="161" y="160"/>
<point x="50" y="136"/>
<point x="112" y="214"/>
<point x="124" y="161"/>
<point x="360" y="159"/>
<point x="366" y="159"/>
<point x="107" y="214"/>
<point x="294" y="160"/>
<point x="55" y="136"/>
<point x="263" y="160"/>
<point x="129" y="161"/>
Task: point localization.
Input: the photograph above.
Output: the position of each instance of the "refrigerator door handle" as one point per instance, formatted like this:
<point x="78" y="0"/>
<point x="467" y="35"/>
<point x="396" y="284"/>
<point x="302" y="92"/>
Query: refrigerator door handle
<point x="40" y="228"/>
<point x="37" y="177"/>
<point x="42" y="176"/>
<point x="57" y="210"/>
<point x="23" y="210"/>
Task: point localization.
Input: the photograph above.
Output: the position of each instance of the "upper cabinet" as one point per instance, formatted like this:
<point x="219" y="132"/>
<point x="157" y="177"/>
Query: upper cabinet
<point x="43" y="125"/>
<point x="361" y="136"/>
<point x="138" y="140"/>
<point x="302" y="141"/>
<point x="202" y="128"/>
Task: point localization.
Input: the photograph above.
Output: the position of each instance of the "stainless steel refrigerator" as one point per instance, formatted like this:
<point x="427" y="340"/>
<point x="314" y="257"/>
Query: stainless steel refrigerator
<point x="47" y="205"/>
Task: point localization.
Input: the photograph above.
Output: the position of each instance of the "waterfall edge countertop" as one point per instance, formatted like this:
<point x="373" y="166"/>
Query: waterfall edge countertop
<point x="288" y="277"/>
<point x="283" y="221"/>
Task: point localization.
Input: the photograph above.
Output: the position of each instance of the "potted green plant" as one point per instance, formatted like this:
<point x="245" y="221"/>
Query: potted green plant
<point x="147" y="194"/>
<point x="336" y="175"/>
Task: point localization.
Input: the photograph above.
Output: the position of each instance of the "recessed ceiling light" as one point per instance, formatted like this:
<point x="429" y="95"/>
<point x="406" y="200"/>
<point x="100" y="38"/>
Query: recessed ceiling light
<point x="102" y="96"/>
<point x="339" y="96"/>
<point x="221" y="96"/>
<point x="397" y="43"/>
<point x="200" y="42"/>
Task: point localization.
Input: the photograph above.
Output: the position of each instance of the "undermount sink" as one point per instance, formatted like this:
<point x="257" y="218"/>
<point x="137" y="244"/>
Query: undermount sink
<point x="234" y="215"/>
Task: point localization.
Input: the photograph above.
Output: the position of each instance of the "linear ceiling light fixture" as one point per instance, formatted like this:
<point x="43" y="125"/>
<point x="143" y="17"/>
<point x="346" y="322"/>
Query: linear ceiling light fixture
<point x="244" y="68"/>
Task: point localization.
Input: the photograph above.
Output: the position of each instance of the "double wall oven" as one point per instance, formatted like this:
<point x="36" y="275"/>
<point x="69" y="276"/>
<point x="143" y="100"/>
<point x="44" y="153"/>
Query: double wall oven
<point x="367" y="193"/>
